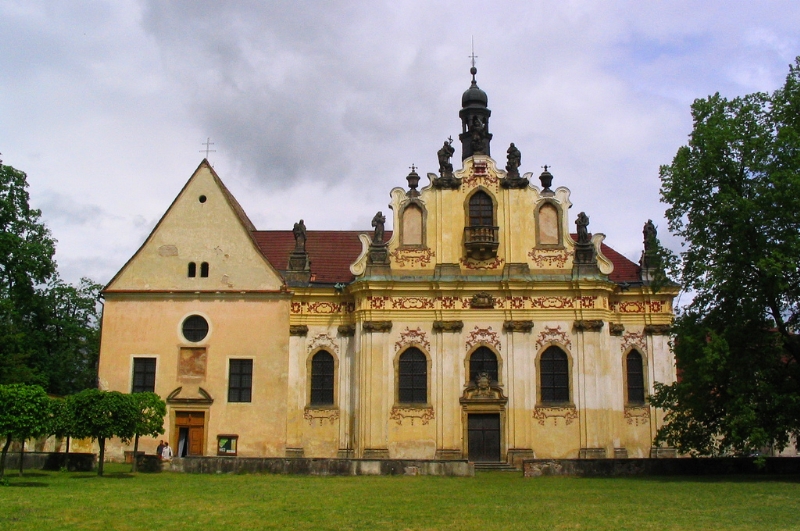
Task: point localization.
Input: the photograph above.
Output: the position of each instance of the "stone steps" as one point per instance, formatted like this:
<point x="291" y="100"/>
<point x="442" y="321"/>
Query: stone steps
<point x="498" y="466"/>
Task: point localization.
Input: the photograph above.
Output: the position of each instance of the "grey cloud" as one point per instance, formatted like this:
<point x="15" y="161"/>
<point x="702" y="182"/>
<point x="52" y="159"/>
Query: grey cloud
<point x="62" y="209"/>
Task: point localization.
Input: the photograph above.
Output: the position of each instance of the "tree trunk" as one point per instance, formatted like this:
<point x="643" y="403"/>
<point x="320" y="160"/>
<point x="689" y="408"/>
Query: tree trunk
<point x="21" y="455"/>
<point x="135" y="451"/>
<point x="102" y="442"/>
<point x="3" y="457"/>
<point x="66" y="461"/>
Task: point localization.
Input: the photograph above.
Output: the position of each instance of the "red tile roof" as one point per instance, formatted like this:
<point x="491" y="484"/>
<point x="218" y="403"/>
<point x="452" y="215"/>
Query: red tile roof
<point x="332" y="252"/>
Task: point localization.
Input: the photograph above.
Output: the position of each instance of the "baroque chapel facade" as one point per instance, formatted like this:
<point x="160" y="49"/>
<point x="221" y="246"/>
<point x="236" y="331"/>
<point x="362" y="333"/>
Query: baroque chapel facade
<point x="481" y="328"/>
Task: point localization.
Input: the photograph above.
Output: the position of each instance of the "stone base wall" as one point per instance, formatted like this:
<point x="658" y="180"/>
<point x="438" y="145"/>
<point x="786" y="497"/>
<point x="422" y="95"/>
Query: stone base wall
<point x="321" y="467"/>
<point x="685" y="466"/>
<point x="78" y="462"/>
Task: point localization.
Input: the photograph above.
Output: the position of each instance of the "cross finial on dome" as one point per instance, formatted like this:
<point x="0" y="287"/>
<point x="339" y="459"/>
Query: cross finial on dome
<point x="473" y="70"/>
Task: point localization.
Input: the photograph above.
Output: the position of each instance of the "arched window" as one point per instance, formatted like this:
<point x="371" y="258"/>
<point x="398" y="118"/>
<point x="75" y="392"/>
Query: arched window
<point x="548" y="225"/>
<point x="322" y="369"/>
<point x="481" y="210"/>
<point x="635" y="377"/>
<point x="192" y="269"/>
<point x="412" y="225"/>
<point x="412" y="377"/>
<point x="204" y="269"/>
<point x="483" y="360"/>
<point x="554" y="374"/>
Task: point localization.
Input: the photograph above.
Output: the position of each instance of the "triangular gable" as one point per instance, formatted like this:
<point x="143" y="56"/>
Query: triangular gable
<point x="204" y="223"/>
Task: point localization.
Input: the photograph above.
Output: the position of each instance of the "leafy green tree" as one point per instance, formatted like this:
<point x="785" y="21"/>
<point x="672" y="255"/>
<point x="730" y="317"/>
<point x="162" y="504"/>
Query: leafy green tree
<point x="69" y="335"/>
<point x="101" y="415"/>
<point x="26" y="261"/>
<point x="49" y="330"/>
<point x="734" y="199"/>
<point x="151" y="411"/>
<point x="62" y="420"/>
<point x="23" y="414"/>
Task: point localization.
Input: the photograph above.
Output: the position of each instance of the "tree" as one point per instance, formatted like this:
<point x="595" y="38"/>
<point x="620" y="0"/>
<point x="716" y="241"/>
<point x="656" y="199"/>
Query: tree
<point x="102" y="415"/>
<point x="26" y="260"/>
<point x="151" y="411"/>
<point x="69" y="335"/>
<point x="23" y="414"/>
<point x="62" y="421"/>
<point x="734" y="198"/>
<point x="49" y="330"/>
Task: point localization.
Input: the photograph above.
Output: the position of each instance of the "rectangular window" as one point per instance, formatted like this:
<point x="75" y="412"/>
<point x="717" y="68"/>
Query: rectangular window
<point x="226" y="444"/>
<point x="144" y="375"/>
<point x="240" y="381"/>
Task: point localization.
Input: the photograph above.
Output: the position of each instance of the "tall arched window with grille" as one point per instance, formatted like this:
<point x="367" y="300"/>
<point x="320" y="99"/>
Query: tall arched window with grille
<point x="554" y="375"/>
<point x="412" y="377"/>
<point x="635" y="378"/>
<point x="481" y="210"/>
<point x="322" y="379"/>
<point x="483" y="360"/>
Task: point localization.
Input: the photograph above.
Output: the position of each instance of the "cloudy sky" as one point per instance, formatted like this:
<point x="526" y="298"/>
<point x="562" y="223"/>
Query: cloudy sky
<point x="317" y="109"/>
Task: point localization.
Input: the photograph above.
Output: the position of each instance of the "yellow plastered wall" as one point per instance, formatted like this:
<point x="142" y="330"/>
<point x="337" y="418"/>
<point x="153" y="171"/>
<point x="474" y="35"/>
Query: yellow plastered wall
<point x="202" y="225"/>
<point x="239" y="327"/>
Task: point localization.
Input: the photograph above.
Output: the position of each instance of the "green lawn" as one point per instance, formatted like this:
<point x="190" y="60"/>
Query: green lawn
<point x="491" y="500"/>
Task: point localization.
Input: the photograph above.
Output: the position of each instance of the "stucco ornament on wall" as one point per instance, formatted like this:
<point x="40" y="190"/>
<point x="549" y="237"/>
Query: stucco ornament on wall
<point x="483" y="336"/>
<point x="637" y="415"/>
<point x="412" y="337"/>
<point x="422" y="414"/>
<point x="633" y="339"/>
<point x="551" y="257"/>
<point x="312" y="414"/>
<point x="323" y="341"/>
<point x="553" y="334"/>
<point x="414" y="257"/>
<point x="543" y="413"/>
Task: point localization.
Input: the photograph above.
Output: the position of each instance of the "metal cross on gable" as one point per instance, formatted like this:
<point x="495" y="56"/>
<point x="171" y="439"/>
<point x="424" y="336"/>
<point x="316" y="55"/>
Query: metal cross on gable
<point x="208" y="143"/>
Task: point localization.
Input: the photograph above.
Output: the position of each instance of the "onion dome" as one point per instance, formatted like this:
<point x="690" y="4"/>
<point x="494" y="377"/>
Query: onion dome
<point x="474" y="96"/>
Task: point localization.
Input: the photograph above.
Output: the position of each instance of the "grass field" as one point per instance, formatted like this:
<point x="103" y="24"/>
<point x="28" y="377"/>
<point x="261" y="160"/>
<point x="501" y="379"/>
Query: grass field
<point x="490" y="500"/>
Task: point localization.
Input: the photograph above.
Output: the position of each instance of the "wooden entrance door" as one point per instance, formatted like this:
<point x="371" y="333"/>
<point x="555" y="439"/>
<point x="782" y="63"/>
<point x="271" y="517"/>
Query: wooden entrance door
<point x="484" y="436"/>
<point x="190" y="427"/>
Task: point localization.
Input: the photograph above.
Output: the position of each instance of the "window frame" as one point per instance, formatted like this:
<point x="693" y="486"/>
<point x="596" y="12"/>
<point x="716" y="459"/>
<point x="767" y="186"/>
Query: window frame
<point x="136" y="359"/>
<point x="492" y="205"/>
<point x="424" y="238"/>
<point x="555" y="400"/>
<point x="399" y="376"/>
<point x="241" y="387"/>
<point x="498" y="363"/>
<point x="184" y="329"/>
<point x="627" y="378"/>
<point x="559" y="222"/>
<point x="333" y="383"/>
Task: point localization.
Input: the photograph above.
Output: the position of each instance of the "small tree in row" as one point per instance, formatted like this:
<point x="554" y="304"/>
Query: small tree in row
<point x="26" y="411"/>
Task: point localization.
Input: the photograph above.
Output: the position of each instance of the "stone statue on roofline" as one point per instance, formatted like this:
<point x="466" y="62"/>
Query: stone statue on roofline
<point x="583" y="228"/>
<point x="299" y="231"/>
<point x="378" y="222"/>
<point x="514" y="160"/>
<point x="650" y="236"/>
<point x="444" y="155"/>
